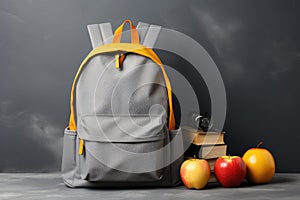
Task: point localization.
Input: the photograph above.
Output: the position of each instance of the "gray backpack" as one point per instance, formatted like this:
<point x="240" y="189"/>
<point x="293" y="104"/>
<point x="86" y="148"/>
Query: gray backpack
<point x="122" y="129"/>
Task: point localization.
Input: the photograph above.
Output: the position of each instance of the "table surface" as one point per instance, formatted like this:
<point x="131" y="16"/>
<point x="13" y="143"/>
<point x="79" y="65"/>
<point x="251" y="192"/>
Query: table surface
<point x="50" y="186"/>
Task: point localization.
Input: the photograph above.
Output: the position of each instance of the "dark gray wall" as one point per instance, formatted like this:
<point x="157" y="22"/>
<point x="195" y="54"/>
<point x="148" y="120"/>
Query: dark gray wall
<point x="255" y="45"/>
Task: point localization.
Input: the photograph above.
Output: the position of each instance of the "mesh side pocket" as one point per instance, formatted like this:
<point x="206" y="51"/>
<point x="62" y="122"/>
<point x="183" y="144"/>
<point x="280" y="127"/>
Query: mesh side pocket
<point x="68" y="167"/>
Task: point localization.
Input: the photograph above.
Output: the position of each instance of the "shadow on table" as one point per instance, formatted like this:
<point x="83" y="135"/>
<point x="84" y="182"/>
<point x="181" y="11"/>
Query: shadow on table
<point x="283" y="179"/>
<point x="275" y="180"/>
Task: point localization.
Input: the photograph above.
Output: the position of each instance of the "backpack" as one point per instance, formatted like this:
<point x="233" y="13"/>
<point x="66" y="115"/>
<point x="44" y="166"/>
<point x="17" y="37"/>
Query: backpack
<point x="122" y="130"/>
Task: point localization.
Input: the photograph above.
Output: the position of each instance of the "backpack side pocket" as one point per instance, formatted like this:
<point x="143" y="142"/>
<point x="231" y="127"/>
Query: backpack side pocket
<point x="68" y="167"/>
<point x="177" y="150"/>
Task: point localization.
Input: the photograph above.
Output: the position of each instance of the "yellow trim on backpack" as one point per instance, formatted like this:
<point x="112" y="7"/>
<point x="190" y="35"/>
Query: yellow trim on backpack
<point x="126" y="47"/>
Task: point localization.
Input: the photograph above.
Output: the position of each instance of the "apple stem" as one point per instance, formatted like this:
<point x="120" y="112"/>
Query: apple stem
<point x="195" y="157"/>
<point x="259" y="144"/>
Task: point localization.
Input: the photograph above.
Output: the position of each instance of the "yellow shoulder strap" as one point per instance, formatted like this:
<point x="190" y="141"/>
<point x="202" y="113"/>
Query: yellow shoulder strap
<point x="127" y="47"/>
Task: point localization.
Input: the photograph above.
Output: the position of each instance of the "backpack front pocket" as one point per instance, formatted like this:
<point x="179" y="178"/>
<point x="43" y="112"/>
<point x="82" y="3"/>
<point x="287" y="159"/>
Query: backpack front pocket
<point x="131" y="149"/>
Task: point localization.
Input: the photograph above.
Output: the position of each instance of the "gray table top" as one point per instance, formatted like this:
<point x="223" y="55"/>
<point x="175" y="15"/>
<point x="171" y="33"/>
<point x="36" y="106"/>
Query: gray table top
<point x="50" y="186"/>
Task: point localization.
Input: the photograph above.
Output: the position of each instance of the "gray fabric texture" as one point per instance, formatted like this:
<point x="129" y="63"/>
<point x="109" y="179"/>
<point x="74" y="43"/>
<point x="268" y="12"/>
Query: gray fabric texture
<point x="121" y="114"/>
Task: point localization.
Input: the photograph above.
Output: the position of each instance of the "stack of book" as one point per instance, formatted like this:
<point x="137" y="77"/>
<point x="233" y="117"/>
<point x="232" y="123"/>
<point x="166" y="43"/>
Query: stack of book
<point x="206" y="145"/>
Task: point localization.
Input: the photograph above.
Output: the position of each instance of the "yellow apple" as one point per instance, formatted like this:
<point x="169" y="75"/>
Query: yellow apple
<point x="195" y="173"/>
<point x="260" y="165"/>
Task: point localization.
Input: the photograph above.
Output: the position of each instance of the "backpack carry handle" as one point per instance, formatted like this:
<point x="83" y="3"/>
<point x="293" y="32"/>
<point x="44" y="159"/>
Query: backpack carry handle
<point x="134" y="33"/>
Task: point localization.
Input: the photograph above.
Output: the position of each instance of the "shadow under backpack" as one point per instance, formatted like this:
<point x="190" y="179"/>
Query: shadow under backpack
<point x="122" y="129"/>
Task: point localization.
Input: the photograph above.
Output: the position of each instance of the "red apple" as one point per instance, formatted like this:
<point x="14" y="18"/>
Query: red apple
<point x="230" y="171"/>
<point x="195" y="173"/>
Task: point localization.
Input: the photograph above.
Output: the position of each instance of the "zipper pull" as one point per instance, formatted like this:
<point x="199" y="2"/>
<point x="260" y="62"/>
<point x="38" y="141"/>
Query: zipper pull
<point x="119" y="60"/>
<point x="81" y="147"/>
